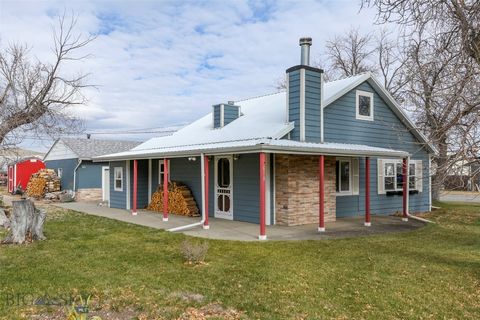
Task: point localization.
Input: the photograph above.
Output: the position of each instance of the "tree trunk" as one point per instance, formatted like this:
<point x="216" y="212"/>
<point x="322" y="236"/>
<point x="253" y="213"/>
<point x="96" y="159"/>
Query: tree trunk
<point x="438" y="180"/>
<point x="26" y="222"/>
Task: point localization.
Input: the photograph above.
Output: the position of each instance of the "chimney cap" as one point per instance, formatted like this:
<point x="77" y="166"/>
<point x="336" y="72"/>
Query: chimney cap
<point x="305" y="41"/>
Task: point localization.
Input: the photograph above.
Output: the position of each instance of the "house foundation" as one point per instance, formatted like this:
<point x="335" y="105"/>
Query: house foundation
<point x="297" y="189"/>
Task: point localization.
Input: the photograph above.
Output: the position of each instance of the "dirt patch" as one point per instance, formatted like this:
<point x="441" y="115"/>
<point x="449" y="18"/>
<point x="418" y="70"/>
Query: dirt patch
<point x="211" y="311"/>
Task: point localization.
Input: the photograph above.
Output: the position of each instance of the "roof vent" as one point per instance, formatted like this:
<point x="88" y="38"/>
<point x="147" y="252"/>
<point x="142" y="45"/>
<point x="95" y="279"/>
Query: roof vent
<point x="305" y="44"/>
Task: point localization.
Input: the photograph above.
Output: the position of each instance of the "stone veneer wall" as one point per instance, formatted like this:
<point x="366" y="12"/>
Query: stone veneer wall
<point x="297" y="189"/>
<point x="87" y="195"/>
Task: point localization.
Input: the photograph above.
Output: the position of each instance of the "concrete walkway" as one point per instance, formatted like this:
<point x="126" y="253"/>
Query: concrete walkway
<point x="243" y="231"/>
<point x="460" y="196"/>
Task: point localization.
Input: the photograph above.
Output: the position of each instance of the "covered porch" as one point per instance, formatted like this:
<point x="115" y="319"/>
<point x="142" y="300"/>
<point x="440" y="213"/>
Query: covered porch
<point x="262" y="206"/>
<point x="243" y="231"/>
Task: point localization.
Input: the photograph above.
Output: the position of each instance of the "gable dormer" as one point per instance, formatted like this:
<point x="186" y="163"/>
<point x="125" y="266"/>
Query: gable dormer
<point x="304" y="97"/>
<point x="225" y="113"/>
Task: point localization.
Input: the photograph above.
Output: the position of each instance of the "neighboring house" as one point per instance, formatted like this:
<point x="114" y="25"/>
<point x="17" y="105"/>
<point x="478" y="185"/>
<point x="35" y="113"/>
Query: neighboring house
<point x="71" y="158"/>
<point x="464" y="175"/>
<point x="20" y="171"/>
<point x="317" y="152"/>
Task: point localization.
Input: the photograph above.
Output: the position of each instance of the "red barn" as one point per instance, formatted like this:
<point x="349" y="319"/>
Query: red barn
<point x="19" y="172"/>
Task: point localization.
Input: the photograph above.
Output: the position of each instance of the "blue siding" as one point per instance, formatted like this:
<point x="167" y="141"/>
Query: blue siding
<point x="230" y="113"/>
<point x="294" y="103"/>
<point x="155" y="182"/>
<point x="118" y="198"/>
<point x="386" y="131"/>
<point x="142" y="183"/>
<point x="188" y="173"/>
<point x="68" y="167"/>
<point x="312" y="106"/>
<point x="246" y="188"/>
<point x="216" y="116"/>
<point x="89" y="174"/>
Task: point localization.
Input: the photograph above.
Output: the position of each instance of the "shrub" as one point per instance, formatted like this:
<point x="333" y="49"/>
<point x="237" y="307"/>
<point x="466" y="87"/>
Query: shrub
<point x="194" y="252"/>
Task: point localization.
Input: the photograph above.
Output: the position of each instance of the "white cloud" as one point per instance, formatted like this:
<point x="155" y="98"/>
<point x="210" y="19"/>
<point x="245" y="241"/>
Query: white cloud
<point x="162" y="63"/>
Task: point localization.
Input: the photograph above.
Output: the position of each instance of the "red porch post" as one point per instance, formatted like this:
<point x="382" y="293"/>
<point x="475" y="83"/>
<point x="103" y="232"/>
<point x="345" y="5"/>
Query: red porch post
<point x="405" y="190"/>
<point x="205" y="223"/>
<point x="321" y="198"/>
<point x="165" y="189"/>
<point x="135" y="184"/>
<point x="263" y="235"/>
<point x="368" y="222"/>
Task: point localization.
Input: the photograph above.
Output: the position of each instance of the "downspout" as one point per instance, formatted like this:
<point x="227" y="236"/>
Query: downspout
<point x="75" y="175"/>
<point x="189" y="226"/>
<point x="408" y="196"/>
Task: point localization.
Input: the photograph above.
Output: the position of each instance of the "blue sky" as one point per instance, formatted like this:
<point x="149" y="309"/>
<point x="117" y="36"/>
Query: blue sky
<point x="162" y="63"/>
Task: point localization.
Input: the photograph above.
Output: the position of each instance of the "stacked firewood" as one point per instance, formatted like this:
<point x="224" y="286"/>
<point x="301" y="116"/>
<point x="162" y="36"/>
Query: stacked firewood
<point x="42" y="182"/>
<point x="180" y="200"/>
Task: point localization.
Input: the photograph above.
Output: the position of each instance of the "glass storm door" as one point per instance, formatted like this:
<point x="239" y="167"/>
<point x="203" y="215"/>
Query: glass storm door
<point x="223" y="187"/>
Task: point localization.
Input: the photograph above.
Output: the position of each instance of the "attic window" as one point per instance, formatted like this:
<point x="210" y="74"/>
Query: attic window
<point x="364" y="105"/>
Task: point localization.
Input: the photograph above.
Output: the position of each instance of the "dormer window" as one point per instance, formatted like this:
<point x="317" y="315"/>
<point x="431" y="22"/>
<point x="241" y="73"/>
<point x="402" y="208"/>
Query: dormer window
<point x="364" y="105"/>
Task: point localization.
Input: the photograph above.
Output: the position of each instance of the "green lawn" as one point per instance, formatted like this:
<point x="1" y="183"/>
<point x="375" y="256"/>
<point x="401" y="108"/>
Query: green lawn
<point x="432" y="273"/>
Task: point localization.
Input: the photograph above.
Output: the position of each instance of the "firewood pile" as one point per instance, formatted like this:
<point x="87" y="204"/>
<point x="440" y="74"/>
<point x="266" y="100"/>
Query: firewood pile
<point x="180" y="200"/>
<point x="42" y="182"/>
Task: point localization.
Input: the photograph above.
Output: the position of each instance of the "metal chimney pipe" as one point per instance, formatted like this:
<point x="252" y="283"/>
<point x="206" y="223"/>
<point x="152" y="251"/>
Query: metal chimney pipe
<point x="305" y="44"/>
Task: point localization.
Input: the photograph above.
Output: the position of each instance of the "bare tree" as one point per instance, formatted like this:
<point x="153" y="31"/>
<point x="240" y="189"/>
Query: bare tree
<point x="350" y="54"/>
<point x="459" y="19"/>
<point x="442" y="93"/>
<point x="36" y="97"/>
<point x="354" y="53"/>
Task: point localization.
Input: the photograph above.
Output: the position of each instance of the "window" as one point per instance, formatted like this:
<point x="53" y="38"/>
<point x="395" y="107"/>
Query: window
<point x="343" y="176"/>
<point x="364" y="105"/>
<point x="118" y="178"/>
<point x="223" y="174"/>
<point x="59" y="172"/>
<point x="346" y="182"/>
<point x="390" y="177"/>
<point x="161" y="171"/>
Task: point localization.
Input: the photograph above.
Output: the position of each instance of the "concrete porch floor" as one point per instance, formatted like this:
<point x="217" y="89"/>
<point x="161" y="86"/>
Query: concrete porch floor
<point x="243" y="231"/>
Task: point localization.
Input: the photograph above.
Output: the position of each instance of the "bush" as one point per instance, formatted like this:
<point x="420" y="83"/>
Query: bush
<point x="193" y="252"/>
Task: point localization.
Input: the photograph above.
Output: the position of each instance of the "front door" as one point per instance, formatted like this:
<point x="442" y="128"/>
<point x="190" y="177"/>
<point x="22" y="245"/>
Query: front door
<point x="223" y="187"/>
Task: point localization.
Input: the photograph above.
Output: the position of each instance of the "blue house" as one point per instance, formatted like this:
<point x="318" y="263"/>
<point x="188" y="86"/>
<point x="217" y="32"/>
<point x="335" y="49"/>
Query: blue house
<point x="71" y="158"/>
<point x="311" y="154"/>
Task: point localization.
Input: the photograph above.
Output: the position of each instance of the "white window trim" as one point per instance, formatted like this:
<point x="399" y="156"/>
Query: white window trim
<point x="357" y="108"/>
<point x="59" y="172"/>
<point x="115" y="170"/>
<point x="160" y="163"/>
<point x="395" y="162"/>
<point x="350" y="191"/>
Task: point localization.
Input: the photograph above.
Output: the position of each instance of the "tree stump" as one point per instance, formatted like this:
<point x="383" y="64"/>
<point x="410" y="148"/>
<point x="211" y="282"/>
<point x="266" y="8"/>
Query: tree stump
<point x="4" y="221"/>
<point x="26" y="223"/>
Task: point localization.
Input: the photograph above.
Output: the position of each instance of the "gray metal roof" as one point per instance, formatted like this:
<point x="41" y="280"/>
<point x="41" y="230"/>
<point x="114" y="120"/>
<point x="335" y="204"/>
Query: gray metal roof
<point x="89" y="148"/>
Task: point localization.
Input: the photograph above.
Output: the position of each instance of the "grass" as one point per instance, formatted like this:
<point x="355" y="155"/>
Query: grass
<point x="433" y="272"/>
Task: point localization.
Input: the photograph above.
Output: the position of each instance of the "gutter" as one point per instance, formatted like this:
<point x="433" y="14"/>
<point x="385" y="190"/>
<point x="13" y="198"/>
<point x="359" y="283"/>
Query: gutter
<point x="75" y="175"/>
<point x="257" y="148"/>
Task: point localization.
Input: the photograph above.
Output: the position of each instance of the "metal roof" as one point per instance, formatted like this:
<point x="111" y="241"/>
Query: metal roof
<point x="262" y="119"/>
<point x="256" y="145"/>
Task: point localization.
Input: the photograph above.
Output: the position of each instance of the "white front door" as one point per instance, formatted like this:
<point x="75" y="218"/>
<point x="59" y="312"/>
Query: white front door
<point x="223" y="187"/>
<point x="105" y="183"/>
